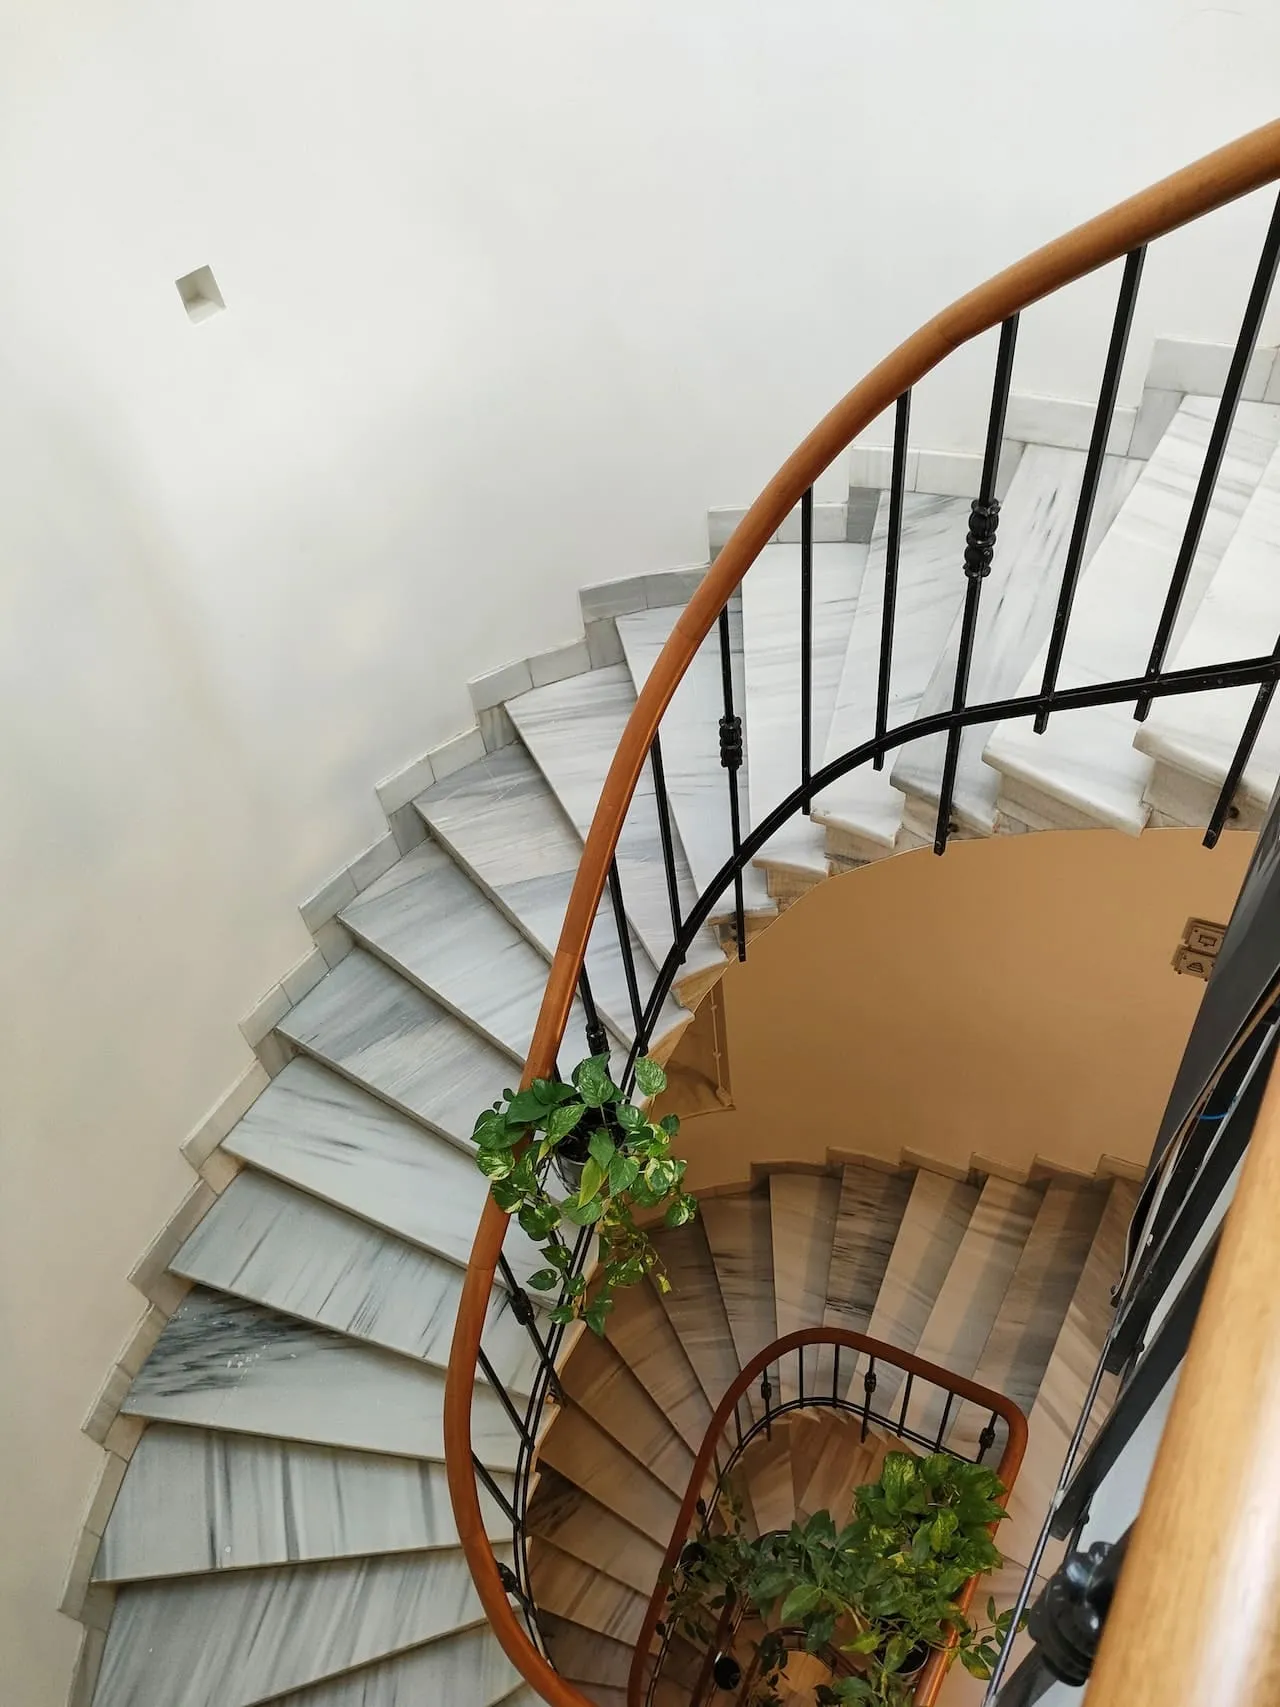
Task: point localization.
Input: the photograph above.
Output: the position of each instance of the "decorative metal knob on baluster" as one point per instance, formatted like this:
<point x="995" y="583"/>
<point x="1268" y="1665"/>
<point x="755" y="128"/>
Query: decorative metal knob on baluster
<point x="731" y="742"/>
<point x="980" y="541"/>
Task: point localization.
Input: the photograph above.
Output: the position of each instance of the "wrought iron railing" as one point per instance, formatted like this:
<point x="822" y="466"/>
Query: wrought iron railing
<point x="1121" y="235"/>
<point x="752" y="1407"/>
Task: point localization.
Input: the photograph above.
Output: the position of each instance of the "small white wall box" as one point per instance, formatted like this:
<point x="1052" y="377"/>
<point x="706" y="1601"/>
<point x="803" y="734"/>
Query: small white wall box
<point x="200" y="294"/>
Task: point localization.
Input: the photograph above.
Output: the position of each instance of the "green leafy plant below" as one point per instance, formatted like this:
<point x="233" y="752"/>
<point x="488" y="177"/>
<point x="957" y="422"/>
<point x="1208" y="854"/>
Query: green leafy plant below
<point x="626" y="1165"/>
<point x="880" y="1590"/>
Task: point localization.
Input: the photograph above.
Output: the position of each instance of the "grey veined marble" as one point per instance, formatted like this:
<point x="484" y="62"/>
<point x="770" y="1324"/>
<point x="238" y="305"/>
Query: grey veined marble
<point x="430" y="920"/>
<point x="465" y="1669"/>
<point x="267" y="1242"/>
<point x="500" y="820"/>
<point x="196" y="1500"/>
<point x="244" y="1636"/>
<point x="222" y="1363"/>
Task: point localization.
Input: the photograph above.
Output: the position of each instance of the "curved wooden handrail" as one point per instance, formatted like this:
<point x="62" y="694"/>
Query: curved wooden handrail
<point x="1210" y="183"/>
<point x="984" y="1397"/>
<point x="1196" y="1614"/>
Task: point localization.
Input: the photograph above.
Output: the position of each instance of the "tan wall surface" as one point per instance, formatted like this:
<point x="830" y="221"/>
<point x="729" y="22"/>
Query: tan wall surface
<point x="1014" y="999"/>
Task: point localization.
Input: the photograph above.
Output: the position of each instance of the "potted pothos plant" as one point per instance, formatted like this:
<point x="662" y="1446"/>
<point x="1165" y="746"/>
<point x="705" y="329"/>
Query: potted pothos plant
<point x="612" y="1160"/>
<point x="875" y="1597"/>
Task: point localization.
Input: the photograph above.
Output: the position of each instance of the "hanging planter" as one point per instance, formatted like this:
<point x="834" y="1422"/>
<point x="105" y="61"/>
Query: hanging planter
<point x="610" y="1158"/>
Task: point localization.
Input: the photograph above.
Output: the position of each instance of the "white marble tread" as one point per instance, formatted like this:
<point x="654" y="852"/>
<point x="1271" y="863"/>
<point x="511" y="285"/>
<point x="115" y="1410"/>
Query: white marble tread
<point x="641" y="1333"/>
<point x="580" y="1526"/>
<point x="224" y="1364"/>
<point x="465" y="1669"/>
<point x="802" y="1208"/>
<point x="500" y="821"/>
<point x="565" y="1587"/>
<point x="697" y="783"/>
<point x="1034" y="1306"/>
<point x="589" y="1457"/>
<point x="584" y="1656"/>
<point x="600" y="1383"/>
<point x="1015" y="614"/>
<point x="195" y="1500"/>
<point x="381" y="1031"/>
<point x="1085" y="769"/>
<point x="1064" y="1386"/>
<point x="427" y="918"/>
<point x="265" y="1241"/>
<point x="1239" y="617"/>
<point x="766" y="1469"/>
<point x="739" y="1233"/>
<point x="865" y="804"/>
<point x="326" y="1136"/>
<point x="970" y="1298"/>
<point x="245" y="1636"/>
<point x="573" y="728"/>
<point x="695" y="1307"/>
<point x="872" y="1204"/>
<point x="771" y="648"/>
<point x="933" y="1224"/>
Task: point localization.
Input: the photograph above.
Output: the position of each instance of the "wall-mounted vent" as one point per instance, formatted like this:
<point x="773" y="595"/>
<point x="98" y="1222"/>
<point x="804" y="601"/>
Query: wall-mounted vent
<point x="200" y="294"/>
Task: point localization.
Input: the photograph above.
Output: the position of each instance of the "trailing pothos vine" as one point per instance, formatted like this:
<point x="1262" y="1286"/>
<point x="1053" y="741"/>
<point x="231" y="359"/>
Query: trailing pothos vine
<point x="611" y="1158"/>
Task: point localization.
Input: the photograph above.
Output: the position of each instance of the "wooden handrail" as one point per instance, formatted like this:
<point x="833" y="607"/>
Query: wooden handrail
<point x="984" y="1397"/>
<point x="1196" y="1614"/>
<point x="1221" y="177"/>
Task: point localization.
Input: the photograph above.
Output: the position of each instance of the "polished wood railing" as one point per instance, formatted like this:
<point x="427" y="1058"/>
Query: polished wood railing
<point x="923" y="1375"/>
<point x="1231" y="172"/>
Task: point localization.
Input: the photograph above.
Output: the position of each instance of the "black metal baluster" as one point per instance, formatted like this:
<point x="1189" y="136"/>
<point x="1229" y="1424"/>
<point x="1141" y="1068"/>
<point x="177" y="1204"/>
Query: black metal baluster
<point x="1263" y="280"/>
<point x="664" y="835"/>
<point x="597" y="1038"/>
<point x="987" y="1439"/>
<point x="766" y="1393"/>
<point x="492" y="1377"/>
<point x="942" y="1426"/>
<point x="731" y="759"/>
<point x="800" y="1367"/>
<point x="1248" y="736"/>
<point x="893" y="547"/>
<point x="906" y="1401"/>
<point x="868" y="1388"/>
<point x="835" y="1379"/>
<point x="628" y="958"/>
<point x="1120" y="329"/>
<point x="984" y="518"/>
<point x="522" y="1309"/>
<point x="482" y="1475"/>
<point x="806" y="642"/>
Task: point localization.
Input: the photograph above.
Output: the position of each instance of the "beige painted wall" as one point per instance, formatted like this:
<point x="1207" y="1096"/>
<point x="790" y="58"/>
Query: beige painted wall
<point x="1014" y="999"/>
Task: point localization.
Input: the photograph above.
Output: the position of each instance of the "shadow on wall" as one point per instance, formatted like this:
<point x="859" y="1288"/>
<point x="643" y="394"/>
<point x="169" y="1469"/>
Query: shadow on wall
<point x="1011" y="1001"/>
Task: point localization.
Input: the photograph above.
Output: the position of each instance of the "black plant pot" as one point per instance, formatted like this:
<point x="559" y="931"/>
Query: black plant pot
<point x="915" y="1661"/>
<point x="726" y="1672"/>
<point x="571" y="1156"/>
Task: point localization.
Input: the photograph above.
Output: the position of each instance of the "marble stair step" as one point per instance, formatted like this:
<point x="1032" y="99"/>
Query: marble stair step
<point x="500" y="821"/>
<point x="588" y="1456"/>
<point x="1084" y="770"/>
<point x="873" y="1201"/>
<point x="573" y="728"/>
<point x="380" y="1031"/>
<point x="739" y="1232"/>
<point x="766" y="1472"/>
<point x="863" y="810"/>
<point x="570" y="1589"/>
<point x="934" y="1222"/>
<point x="584" y="1656"/>
<point x="971" y="1295"/>
<point x="600" y="1383"/>
<point x="641" y="1333"/>
<point x="466" y="1669"/>
<point x="267" y="1242"/>
<point x="772" y="659"/>
<point x="839" y="1462"/>
<point x="243" y="1637"/>
<point x="1015" y="615"/>
<point x="427" y="918"/>
<point x="1191" y="739"/>
<point x="196" y="1500"/>
<point x="221" y="1363"/>
<point x="1023" y="1336"/>
<point x="316" y="1131"/>
<point x="697" y="783"/>
<point x="803" y="1209"/>
<point x="576" y="1524"/>
<point x="1065" y="1384"/>
<point x="695" y="1307"/>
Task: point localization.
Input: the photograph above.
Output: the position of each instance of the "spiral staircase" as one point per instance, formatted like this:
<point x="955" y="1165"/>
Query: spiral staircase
<point x="283" y="1531"/>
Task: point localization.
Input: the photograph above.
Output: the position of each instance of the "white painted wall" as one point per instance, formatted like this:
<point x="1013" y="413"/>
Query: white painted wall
<point x="515" y="289"/>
